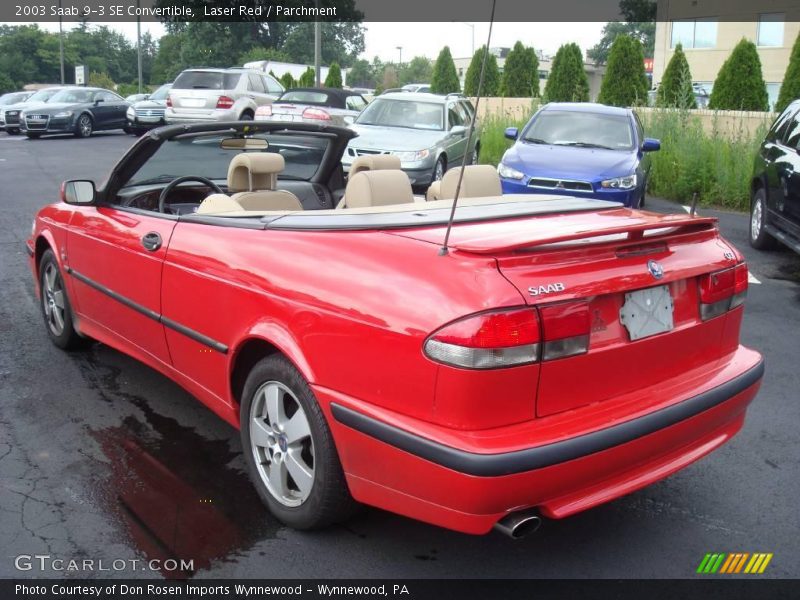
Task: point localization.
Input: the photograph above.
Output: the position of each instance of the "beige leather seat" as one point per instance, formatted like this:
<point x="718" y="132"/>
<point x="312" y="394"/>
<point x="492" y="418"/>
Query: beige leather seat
<point x="374" y="162"/>
<point x="252" y="179"/>
<point x="218" y="204"/>
<point x="378" y="188"/>
<point x="479" y="181"/>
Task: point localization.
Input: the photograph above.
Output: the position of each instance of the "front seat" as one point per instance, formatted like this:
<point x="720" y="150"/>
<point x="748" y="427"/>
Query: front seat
<point x="252" y="179"/>
<point x="480" y="181"/>
<point x="378" y="188"/>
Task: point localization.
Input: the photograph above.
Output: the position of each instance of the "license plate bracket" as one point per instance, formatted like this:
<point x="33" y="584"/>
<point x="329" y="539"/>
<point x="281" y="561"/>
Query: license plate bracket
<point x="647" y="312"/>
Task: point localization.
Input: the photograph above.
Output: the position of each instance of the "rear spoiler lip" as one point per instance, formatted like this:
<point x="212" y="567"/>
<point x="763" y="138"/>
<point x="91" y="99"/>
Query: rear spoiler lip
<point x="635" y="232"/>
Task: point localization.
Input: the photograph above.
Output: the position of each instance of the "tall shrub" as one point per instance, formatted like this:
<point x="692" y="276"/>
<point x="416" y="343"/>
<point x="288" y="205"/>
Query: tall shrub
<point x="288" y="81"/>
<point x="445" y="77"/>
<point x="491" y="76"/>
<point x="625" y="83"/>
<point x="334" y="78"/>
<point x="567" y="81"/>
<point x="740" y="84"/>
<point x="676" y="90"/>
<point x="308" y="78"/>
<point x="521" y="73"/>
<point x="790" y="90"/>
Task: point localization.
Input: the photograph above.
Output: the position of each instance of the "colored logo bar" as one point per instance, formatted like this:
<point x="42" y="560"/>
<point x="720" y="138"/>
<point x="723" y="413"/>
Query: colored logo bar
<point x="735" y="562"/>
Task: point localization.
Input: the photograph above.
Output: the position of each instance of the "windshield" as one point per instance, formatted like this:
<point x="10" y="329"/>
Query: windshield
<point x="73" y="96"/>
<point x="584" y="129"/>
<point x="403" y="113"/>
<point x="161" y="93"/>
<point x="42" y="96"/>
<point x="204" y="156"/>
<point x="206" y="80"/>
<point x="13" y="98"/>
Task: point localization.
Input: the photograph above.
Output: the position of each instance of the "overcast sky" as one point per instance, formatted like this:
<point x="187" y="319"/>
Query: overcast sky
<point x="427" y="39"/>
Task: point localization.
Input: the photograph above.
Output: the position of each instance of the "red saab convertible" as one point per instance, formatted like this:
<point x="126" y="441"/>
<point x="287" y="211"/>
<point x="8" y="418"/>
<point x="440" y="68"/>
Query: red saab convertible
<point x="561" y="353"/>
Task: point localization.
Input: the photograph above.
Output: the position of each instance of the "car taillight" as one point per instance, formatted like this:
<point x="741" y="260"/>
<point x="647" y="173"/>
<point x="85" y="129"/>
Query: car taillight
<point x="264" y="111"/>
<point x="169" y="101"/>
<point x="224" y="102"/>
<point x="566" y="328"/>
<point x="316" y="113"/>
<point x="488" y="340"/>
<point x="513" y="337"/>
<point x="722" y="290"/>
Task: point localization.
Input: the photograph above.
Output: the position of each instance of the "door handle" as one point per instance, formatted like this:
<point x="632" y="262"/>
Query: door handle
<point x="151" y="241"/>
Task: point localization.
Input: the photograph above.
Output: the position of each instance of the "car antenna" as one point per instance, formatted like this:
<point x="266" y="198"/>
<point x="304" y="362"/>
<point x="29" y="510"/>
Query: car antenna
<point x="444" y="250"/>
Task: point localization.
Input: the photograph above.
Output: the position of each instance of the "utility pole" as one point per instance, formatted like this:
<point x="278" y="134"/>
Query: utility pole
<point x="471" y="26"/>
<point x="61" y="41"/>
<point x="139" y="42"/>
<point x="400" y="63"/>
<point x="318" y="51"/>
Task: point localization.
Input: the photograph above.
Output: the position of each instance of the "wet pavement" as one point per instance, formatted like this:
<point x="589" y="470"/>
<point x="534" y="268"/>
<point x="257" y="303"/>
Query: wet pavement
<point x="102" y="458"/>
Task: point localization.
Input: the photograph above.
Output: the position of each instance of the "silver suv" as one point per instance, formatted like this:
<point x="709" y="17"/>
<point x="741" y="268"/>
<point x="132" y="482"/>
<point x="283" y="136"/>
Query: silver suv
<point x="219" y="95"/>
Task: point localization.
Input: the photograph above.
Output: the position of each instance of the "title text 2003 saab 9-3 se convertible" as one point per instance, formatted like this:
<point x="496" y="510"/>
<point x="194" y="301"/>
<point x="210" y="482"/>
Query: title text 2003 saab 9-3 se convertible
<point x="563" y="351"/>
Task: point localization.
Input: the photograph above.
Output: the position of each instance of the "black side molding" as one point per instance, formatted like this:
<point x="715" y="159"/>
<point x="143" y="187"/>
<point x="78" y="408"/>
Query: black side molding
<point x="151" y="314"/>
<point x="494" y="465"/>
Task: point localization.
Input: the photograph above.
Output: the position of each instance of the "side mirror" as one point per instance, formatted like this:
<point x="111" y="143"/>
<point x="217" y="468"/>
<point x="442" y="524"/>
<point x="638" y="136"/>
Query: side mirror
<point x="146" y="97"/>
<point x="78" y="191"/>
<point x="651" y="145"/>
<point x="458" y="130"/>
<point x="97" y="101"/>
<point x="511" y="133"/>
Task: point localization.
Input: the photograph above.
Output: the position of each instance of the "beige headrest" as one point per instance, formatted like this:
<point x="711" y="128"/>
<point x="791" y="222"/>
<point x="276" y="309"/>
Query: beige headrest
<point x="374" y="162"/>
<point x="250" y="171"/>
<point x="434" y="192"/>
<point x="479" y="181"/>
<point x="218" y="203"/>
<point x="378" y="188"/>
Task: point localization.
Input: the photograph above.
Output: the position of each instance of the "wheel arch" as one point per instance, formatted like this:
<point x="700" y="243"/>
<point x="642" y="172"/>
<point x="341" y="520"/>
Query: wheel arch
<point x="757" y="183"/>
<point x="44" y="242"/>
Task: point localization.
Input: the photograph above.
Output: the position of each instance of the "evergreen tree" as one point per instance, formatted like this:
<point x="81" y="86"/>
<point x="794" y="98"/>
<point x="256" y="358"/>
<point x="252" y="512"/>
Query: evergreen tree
<point x="625" y="83"/>
<point x="790" y="90"/>
<point x="334" y="78"/>
<point x="491" y="76"/>
<point x="567" y="81"/>
<point x="676" y="90"/>
<point x="521" y="73"/>
<point x="739" y="84"/>
<point x="308" y="78"/>
<point x="288" y="81"/>
<point x="445" y="78"/>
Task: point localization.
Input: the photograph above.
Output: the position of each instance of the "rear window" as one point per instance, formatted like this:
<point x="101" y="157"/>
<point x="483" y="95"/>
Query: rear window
<point x="206" y="80"/>
<point x="305" y="96"/>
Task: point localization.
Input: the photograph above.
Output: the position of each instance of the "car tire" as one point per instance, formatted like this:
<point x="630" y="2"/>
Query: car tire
<point x="439" y="169"/>
<point x="300" y="480"/>
<point x="246" y="116"/>
<point x="55" y="305"/>
<point x="759" y="238"/>
<point x="84" y="126"/>
<point x="12" y="131"/>
<point x="33" y="136"/>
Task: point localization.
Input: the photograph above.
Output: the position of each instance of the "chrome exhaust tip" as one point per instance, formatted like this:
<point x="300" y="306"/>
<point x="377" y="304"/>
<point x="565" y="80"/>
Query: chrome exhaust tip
<point x="518" y="525"/>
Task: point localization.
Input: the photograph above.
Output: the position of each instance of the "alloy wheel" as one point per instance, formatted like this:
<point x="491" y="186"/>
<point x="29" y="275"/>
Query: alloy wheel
<point x="53" y="299"/>
<point x="438" y="171"/>
<point x="281" y="443"/>
<point x="756" y="218"/>
<point x="85" y="125"/>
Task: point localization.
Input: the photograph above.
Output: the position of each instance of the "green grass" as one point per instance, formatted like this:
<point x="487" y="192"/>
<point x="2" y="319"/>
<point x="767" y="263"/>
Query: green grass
<point x="718" y="168"/>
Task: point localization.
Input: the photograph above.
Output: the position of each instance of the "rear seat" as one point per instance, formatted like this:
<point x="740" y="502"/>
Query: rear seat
<point x="378" y="188"/>
<point x="479" y="181"/>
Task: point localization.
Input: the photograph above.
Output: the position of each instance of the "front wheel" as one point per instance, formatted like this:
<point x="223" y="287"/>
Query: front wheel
<point x="438" y="169"/>
<point x="83" y="128"/>
<point x="55" y="305"/>
<point x="759" y="238"/>
<point x="289" y="448"/>
<point x="12" y="131"/>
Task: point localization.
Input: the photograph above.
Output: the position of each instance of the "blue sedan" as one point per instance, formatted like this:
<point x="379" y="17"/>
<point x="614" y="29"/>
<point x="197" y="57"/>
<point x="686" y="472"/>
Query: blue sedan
<point x="579" y="149"/>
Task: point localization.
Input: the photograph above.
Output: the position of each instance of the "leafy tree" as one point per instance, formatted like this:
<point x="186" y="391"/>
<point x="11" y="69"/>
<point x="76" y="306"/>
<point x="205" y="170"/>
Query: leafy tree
<point x="491" y="76"/>
<point x="388" y="79"/>
<point x="334" y="78"/>
<point x="418" y="70"/>
<point x="360" y="75"/>
<point x="624" y="83"/>
<point x="445" y="77"/>
<point x="101" y="80"/>
<point x="676" y="90"/>
<point x="790" y="90"/>
<point x="567" y="81"/>
<point x="255" y="54"/>
<point x="640" y="24"/>
<point x="739" y="84"/>
<point x="342" y="42"/>
<point x="521" y="73"/>
<point x="6" y="84"/>
<point x="308" y="78"/>
<point x="288" y="81"/>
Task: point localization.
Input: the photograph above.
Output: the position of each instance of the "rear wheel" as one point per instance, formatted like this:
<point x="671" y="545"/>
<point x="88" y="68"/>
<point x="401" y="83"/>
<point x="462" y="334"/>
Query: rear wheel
<point x="246" y="116"/>
<point x="759" y="238"/>
<point x="55" y="305"/>
<point x="289" y="448"/>
<point x="83" y="128"/>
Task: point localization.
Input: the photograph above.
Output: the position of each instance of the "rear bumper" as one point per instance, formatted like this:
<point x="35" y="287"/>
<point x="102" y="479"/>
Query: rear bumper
<point x="455" y="480"/>
<point x="172" y="116"/>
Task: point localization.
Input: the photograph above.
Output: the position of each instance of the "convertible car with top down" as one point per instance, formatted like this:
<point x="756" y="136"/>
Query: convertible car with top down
<point x="558" y="353"/>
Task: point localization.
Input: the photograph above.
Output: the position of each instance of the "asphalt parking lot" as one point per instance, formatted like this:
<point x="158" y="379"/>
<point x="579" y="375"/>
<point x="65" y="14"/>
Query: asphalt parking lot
<point x="103" y="458"/>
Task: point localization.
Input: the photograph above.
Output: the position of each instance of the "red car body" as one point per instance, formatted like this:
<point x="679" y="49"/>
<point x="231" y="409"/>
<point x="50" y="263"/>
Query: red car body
<point x="353" y="309"/>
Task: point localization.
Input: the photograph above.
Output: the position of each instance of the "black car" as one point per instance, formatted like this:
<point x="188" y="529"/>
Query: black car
<point x="148" y="113"/>
<point x="76" y="110"/>
<point x="775" y="204"/>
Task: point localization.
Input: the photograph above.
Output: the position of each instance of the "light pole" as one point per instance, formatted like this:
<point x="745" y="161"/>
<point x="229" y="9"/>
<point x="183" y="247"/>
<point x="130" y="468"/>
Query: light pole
<point x="61" y="41"/>
<point x="318" y="51"/>
<point x="471" y="26"/>
<point x="139" y="42"/>
<point x="400" y="62"/>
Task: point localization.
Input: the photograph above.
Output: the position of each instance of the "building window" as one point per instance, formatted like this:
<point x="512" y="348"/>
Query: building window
<point x="770" y="29"/>
<point x="694" y="33"/>
<point x="543" y="74"/>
